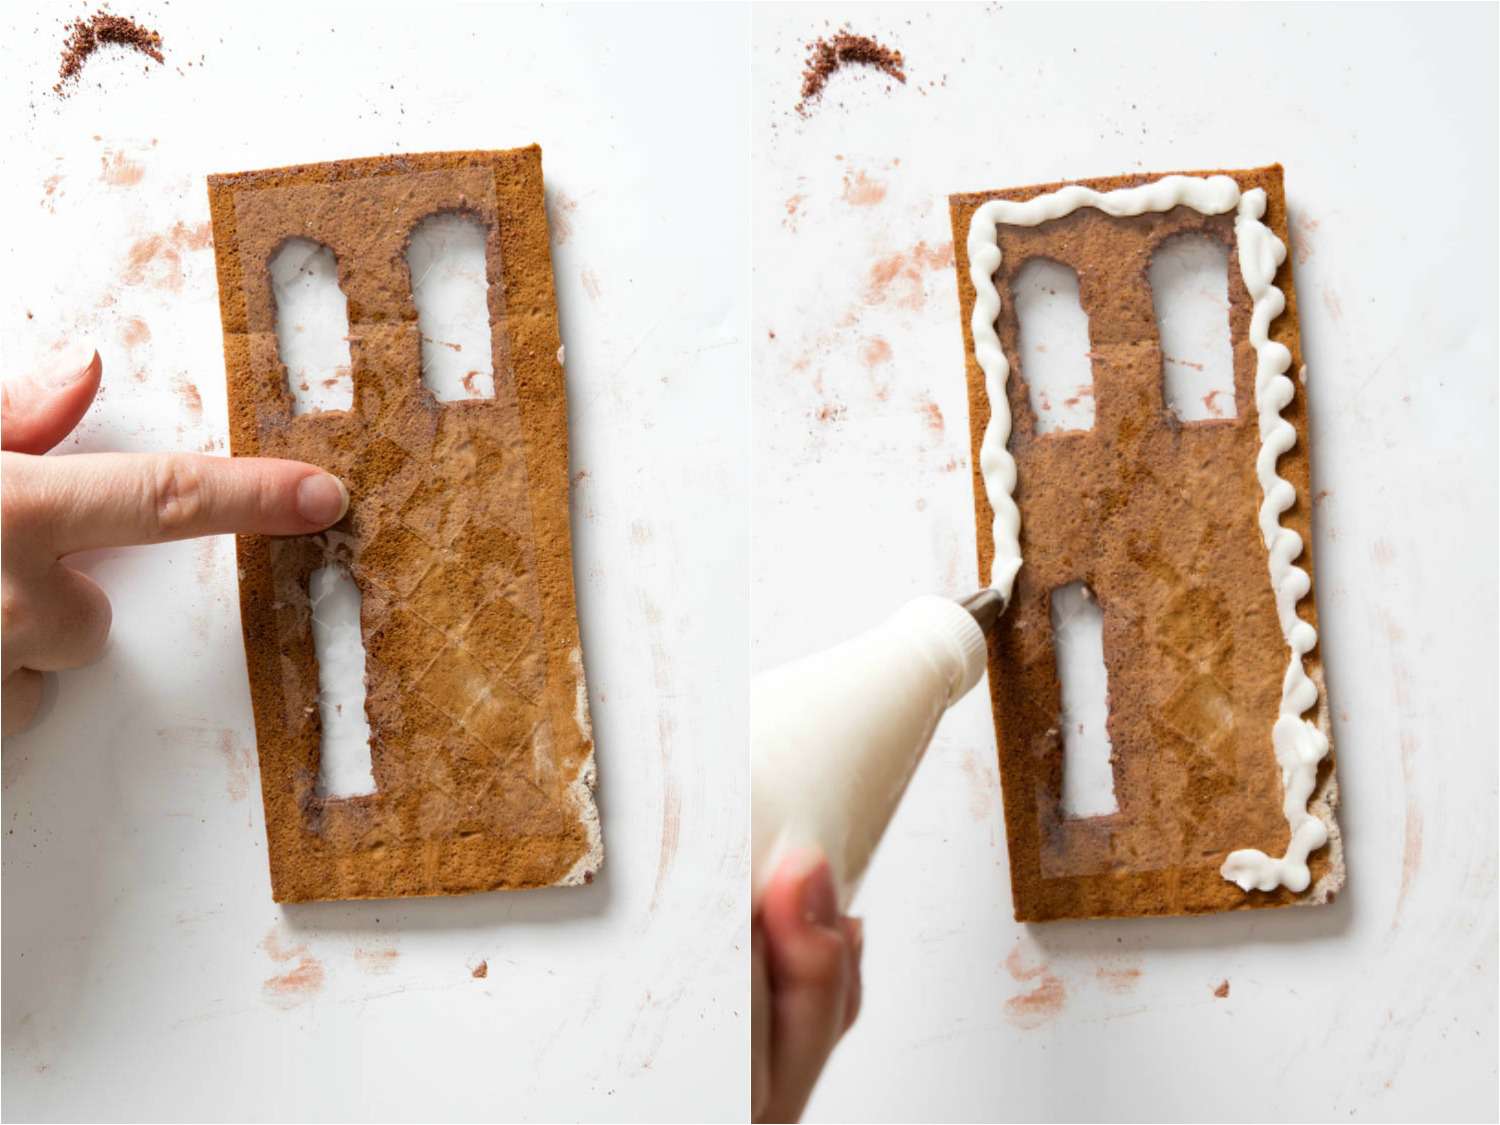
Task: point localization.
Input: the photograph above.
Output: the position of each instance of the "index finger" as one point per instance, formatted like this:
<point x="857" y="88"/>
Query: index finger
<point x="121" y="499"/>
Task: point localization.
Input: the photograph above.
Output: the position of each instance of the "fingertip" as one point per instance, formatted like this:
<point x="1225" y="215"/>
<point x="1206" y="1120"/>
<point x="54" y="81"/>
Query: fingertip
<point x="322" y="499"/>
<point x="801" y="892"/>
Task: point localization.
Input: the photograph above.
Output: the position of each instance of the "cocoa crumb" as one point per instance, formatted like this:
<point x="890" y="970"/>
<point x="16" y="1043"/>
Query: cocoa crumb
<point x="102" y="29"/>
<point x="826" y="56"/>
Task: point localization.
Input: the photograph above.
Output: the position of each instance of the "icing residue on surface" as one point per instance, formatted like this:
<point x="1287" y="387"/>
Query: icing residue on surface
<point x="1222" y="992"/>
<point x="381" y="960"/>
<point x="1046" y="998"/>
<point x="861" y="191"/>
<point x="297" y="984"/>
<point x="590" y="282"/>
<point x="118" y="170"/>
<point x="480" y="971"/>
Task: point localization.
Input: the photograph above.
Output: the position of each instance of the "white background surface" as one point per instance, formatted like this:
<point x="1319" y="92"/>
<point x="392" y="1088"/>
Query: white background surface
<point x="1383" y="1005"/>
<point x="138" y="922"/>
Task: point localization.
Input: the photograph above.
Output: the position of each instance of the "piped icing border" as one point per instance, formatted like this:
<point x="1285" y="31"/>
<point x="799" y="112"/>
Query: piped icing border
<point x="1298" y="743"/>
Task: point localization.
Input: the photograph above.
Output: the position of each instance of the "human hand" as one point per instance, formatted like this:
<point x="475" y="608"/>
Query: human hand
<point x="56" y="618"/>
<point x="805" y="985"/>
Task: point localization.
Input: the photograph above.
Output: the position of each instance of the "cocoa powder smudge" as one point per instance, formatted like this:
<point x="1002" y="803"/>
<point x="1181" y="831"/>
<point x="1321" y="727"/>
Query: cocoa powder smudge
<point x="827" y="56"/>
<point x="102" y="29"/>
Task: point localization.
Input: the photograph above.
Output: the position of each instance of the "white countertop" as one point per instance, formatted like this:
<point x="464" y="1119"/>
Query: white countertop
<point x="139" y="931"/>
<point x="1382" y="1006"/>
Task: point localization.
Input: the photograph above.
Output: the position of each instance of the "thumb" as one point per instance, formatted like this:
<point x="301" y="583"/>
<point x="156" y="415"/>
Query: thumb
<point x="808" y="960"/>
<point x="39" y="409"/>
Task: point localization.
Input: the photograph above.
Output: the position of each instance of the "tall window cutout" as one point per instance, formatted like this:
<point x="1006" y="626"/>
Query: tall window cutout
<point x="1189" y="278"/>
<point x="450" y="285"/>
<point x="1078" y="640"/>
<point x="1054" y="341"/>
<point x="344" y="768"/>
<point x="312" y="326"/>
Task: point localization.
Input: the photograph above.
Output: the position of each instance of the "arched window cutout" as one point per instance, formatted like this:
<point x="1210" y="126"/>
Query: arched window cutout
<point x="1088" y="774"/>
<point x="450" y="286"/>
<point x="312" y="326"/>
<point x="1189" y="277"/>
<point x="1055" y="350"/>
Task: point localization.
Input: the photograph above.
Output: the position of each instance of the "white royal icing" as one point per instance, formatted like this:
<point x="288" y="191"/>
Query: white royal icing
<point x="1299" y="745"/>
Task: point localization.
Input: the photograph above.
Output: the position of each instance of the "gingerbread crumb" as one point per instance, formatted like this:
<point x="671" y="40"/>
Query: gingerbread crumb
<point x="827" y="56"/>
<point x="481" y="970"/>
<point x="102" y="29"/>
<point x="1223" y="990"/>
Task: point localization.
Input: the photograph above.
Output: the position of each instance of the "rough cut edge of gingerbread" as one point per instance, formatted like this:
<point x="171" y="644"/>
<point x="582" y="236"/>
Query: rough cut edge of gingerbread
<point x="999" y="466"/>
<point x="581" y="790"/>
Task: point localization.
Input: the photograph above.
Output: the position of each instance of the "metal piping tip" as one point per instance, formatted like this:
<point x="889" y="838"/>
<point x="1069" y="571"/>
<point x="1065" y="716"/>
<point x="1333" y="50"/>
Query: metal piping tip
<point x="985" y="607"/>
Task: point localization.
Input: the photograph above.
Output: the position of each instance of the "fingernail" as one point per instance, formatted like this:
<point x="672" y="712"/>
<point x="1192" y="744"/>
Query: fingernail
<point x="322" y="499"/>
<point x="817" y="902"/>
<point x="70" y="364"/>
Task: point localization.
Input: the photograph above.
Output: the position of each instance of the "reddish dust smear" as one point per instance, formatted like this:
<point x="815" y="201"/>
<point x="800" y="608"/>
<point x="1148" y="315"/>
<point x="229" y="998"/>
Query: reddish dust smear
<point x="931" y="415"/>
<point x="292" y="988"/>
<point x="87" y="36"/>
<point x="874" y="351"/>
<point x="190" y="397"/>
<point x="898" y="277"/>
<point x="1045" y="1000"/>
<point x="560" y="207"/>
<point x="827" y="56"/>
<point x="861" y="191"/>
<point x="377" y="960"/>
<point x="117" y="170"/>
<point x="134" y="332"/>
<point x="1034" y="1008"/>
<point x="236" y="757"/>
<point x="156" y="259"/>
<point x="1118" y="980"/>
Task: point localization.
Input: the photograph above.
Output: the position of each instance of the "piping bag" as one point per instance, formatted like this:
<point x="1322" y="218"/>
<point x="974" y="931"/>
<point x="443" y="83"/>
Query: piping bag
<point x="836" y="736"/>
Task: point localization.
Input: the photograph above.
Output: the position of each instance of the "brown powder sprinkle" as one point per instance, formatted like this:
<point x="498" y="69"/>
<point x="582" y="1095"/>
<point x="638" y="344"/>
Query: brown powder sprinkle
<point x="825" y="56"/>
<point x="102" y="29"/>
